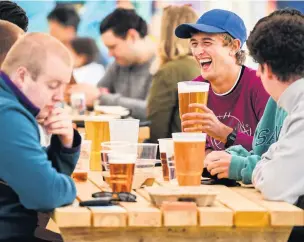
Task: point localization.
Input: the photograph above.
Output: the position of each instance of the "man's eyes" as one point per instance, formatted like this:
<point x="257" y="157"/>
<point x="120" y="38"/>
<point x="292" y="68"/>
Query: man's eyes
<point x="54" y="85"/>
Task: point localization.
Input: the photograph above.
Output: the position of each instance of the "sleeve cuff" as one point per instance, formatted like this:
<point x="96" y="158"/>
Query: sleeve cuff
<point x="235" y="168"/>
<point x="75" y="147"/>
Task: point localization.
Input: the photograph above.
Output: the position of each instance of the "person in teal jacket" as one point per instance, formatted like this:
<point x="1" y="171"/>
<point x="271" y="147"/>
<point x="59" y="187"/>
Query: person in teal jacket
<point x="236" y="162"/>
<point x="34" y="178"/>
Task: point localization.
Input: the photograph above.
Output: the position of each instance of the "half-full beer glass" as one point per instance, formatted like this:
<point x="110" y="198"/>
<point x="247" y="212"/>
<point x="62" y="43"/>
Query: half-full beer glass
<point x="189" y="154"/>
<point x="97" y="130"/>
<point x="122" y="171"/>
<point x="110" y="147"/>
<point x="191" y="92"/>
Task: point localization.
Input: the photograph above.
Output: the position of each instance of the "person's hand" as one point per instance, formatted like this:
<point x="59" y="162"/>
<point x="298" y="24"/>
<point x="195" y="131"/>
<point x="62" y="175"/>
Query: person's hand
<point x="58" y="122"/>
<point x="205" y="122"/>
<point x="218" y="163"/>
<point x="91" y="92"/>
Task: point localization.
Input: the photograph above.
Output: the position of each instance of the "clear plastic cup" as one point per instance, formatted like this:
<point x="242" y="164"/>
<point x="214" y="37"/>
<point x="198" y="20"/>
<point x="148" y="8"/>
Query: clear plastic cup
<point x="189" y="155"/>
<point x="124" y="130"/>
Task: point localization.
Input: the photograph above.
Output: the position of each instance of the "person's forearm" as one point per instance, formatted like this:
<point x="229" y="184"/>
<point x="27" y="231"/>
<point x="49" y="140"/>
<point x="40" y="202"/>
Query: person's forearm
<point x="64" y="159"/>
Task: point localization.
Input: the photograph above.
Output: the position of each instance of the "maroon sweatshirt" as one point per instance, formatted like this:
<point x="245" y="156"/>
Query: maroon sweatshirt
<point x="241" y="109"/>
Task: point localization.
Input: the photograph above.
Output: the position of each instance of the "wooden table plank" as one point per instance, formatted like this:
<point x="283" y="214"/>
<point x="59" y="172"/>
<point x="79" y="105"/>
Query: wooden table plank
<point x="246" y="213"/>
<point x="215" y="215"/>
<point x="140" y="214"/>
<point x="177" y="234"/>
<point x="72" y="216"/>
<point x="107" y="216"/>
<point x="282" y="213"/>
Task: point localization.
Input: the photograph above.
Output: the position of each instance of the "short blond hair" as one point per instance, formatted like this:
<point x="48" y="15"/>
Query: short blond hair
<point x="9" y="33"/>
<point x="170" y="47"/>
<point x="32" y="50"/>
<point x="240" y="55"/>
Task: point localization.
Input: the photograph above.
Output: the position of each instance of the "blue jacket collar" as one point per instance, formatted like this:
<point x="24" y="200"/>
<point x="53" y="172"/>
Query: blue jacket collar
<point x="10" y="87"/>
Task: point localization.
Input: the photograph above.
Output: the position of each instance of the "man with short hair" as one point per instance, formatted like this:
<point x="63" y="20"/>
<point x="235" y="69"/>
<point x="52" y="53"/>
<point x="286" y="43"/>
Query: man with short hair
<point x="128" y="79"/>
<point x="9" y="33"/>
<point x="236" y="98"/>
<point x="276" y="44"/>
<point x="63" y="23"/>
<point x="33" y="178"/>
<point x="13" y="13"/>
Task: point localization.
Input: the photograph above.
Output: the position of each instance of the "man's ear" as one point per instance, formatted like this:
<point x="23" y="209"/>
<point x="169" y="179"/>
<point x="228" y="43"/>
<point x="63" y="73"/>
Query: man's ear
<point x="132" y="35"/>
<point x="267" y="71"/>
<point x="235" y="47"/>
<point x="19" y="77"/>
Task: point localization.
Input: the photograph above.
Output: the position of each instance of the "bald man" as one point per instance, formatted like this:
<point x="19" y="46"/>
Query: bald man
<point x="33" y="78"/>
<point x="9" y="33"/>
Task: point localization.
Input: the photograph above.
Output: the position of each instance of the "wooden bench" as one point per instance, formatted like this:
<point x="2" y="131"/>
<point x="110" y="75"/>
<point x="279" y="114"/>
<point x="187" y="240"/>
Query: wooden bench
<point x="239" y="214"/>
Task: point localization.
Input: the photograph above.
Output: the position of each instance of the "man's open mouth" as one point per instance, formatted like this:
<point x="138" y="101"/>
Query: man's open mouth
<point x="205" y="63"/>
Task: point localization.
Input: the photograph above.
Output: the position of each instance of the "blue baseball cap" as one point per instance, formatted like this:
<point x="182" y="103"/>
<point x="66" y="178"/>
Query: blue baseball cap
<point x="215" y="21"/>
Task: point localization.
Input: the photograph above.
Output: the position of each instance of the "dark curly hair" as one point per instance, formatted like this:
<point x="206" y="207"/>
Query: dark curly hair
<point x="277" y="40"/>
<point x="13" y="13"/>
<point x="121" y="20"/>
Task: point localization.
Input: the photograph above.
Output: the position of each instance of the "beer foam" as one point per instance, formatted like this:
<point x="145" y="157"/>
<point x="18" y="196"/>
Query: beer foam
<point x="125" y="161"/>
<point x="189" y="137"/>
<point x="99" y="118"/>
<point x="191" y="86"/>
<point x="122" y="158"/>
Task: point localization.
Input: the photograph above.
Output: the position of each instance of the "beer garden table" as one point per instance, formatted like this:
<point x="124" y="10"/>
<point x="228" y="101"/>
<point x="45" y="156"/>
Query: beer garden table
<point x="238" y="214"/>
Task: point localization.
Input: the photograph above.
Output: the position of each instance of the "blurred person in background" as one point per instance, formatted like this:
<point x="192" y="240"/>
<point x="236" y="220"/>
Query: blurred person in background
<point x="86" y="53"/>
<point x="63" y="23"/>
<point x="128" y="79"/>
<point x="174" y="63"/>
<point x="236" y="98"/>
<point x="13" y="13"/>
<point x="9" y="33"/>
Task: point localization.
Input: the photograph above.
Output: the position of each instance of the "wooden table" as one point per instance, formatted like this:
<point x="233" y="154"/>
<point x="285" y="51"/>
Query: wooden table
<point x="239" y="214"/>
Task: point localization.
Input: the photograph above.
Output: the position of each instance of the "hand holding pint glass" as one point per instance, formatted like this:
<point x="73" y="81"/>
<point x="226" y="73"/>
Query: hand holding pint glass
<point x="191" y="92"/>
<point x="189" y="154"/>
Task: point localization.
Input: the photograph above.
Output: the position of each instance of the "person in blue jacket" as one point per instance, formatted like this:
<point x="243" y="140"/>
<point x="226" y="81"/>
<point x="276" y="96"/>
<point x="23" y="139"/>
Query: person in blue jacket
<point x="34" y="178"/>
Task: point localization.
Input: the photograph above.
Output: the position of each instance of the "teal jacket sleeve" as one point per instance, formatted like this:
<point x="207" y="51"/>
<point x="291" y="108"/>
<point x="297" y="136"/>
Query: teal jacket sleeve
<point x="25" y="166"/>
<point x="242" y="164"/>
<point x="64" y="159"/>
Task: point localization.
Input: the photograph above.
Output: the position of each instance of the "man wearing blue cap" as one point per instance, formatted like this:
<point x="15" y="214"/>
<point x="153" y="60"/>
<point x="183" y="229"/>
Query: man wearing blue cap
<point x="237" y="98"/>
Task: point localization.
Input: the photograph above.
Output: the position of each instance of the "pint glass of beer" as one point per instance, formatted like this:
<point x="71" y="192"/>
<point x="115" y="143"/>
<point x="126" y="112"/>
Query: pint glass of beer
<point x="121" y="171"/>
<point x="166" y="150"/>
<point x="97" y="130"/>
<point x="189" y="154"/>
<point x="191" y="92"/>
<point x="109" y="147"/>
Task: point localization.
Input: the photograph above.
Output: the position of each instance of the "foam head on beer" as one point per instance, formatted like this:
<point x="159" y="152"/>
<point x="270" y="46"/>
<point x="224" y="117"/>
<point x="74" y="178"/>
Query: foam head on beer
<point x="189" y="155"/>
<point x="191" y="92"/>
<point x="121" y="171"/>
